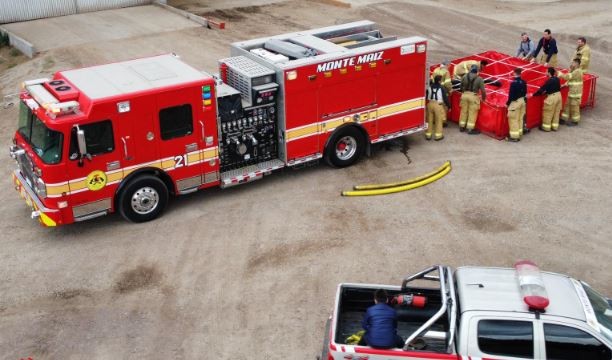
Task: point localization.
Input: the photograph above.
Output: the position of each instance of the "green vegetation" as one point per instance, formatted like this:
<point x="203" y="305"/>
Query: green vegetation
<point x="4" y="39"/>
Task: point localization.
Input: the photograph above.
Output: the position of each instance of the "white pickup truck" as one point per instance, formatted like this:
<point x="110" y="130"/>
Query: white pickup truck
<point x="480" y="313"/>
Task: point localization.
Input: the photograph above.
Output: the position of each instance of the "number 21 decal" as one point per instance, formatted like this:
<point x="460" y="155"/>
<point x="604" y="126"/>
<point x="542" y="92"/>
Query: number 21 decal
<point x="180" y="161"/>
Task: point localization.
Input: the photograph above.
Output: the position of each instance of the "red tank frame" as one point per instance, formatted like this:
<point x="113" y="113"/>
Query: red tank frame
<point x="492" y="118"/>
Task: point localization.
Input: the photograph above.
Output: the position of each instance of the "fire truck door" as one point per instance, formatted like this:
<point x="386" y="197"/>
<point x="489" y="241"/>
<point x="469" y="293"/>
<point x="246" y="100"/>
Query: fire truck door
<point x="91" y="176"/>
<point x="180" y="137"/>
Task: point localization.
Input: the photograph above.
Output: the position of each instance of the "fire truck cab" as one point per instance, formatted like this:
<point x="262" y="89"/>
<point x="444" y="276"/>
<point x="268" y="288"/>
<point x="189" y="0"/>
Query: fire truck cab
<point x="478" y="313"/>
<point x="125" y="136"/>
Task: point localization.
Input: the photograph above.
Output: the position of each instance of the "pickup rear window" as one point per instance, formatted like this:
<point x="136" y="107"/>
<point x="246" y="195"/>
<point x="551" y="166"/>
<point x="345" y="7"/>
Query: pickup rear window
<point x="506" y="338"/>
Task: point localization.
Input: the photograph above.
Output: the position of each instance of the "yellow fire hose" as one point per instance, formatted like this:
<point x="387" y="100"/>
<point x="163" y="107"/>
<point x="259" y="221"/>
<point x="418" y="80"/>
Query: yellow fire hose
<point x="403" y="186"/>
<point x="405" y="182"/>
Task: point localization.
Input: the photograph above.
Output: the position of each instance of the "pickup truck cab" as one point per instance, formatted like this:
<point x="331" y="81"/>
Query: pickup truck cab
<point x="479" y="313"/>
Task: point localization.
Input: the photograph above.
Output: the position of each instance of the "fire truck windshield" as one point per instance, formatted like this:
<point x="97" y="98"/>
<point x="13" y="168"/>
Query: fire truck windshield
<point x="45" y="142"/>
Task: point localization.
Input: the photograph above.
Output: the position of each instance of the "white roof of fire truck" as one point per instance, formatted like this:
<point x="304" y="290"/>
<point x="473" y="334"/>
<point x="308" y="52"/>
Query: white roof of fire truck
<point x="496" y="289"/>
<point x="103" y="81"/>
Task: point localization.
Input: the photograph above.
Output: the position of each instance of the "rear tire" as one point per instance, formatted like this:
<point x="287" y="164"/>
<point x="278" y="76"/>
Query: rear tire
<point x="345" y="147"/>
<point x="143" y="199"/>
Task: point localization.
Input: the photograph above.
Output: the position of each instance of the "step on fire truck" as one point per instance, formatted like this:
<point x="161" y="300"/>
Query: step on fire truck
<point x="476" y="313"/>
<point x="124" y="136"/>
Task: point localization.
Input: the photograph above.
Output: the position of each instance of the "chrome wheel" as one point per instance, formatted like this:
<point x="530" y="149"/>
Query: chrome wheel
<point x="145" y="200"/>
<point x="346" y="148"/>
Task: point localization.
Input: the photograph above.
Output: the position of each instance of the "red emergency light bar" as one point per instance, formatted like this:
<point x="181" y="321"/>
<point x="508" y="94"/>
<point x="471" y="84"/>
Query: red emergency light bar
<point x="531" y="285"/>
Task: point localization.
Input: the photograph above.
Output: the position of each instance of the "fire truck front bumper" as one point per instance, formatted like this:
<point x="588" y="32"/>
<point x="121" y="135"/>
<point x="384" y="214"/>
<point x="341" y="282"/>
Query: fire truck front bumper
<point x="46" y="216"/>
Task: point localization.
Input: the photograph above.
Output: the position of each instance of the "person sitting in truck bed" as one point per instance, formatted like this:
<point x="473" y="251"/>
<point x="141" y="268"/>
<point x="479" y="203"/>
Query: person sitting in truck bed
<point x="380" y="324"/>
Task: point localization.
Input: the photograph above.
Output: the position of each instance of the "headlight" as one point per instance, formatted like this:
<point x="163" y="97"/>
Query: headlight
<point x="40" y="188"/>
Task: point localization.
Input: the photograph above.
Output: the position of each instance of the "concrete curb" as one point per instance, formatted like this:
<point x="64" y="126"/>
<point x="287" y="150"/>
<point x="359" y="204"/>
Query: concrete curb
<point x="336" y="3"/>
<point x="200" y="20"/>
<point x="20" y="44"/>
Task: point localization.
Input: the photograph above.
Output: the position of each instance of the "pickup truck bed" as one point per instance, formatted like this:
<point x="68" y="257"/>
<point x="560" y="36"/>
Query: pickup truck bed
<point x="354" y="302"/>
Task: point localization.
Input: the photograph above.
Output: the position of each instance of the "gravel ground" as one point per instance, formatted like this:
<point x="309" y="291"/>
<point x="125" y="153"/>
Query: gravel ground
<point x="250" y="272"/>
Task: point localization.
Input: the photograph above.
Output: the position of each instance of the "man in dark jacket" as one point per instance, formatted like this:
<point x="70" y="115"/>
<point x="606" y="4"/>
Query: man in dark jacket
<point x="548" y="45"/>
<point x="380" y="324"/>
<point x="436" y="112"/>
<point x="552" y="103"/>
<point x="516" y="106"/>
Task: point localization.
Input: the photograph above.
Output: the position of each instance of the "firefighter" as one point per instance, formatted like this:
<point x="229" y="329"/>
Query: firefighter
<point x="447" y="85"/>
<point x="436" y="113"/>
<point x="470" y="103"/>
<point x="552" y="103"/>
<point x="464" y="67"/>
<point x="583" y="53"/>
<point x="526" y="48"/>
<point x="442" y="70"/>
<point x="516" y="106"/>
<point x="548" y="45"/>
<point x="571" y="110"/>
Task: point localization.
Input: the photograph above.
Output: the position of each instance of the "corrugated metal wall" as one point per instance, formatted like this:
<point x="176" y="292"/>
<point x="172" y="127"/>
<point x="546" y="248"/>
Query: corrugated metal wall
<point x="22" y="10"/>
<point x="95" y="5"/>
<point x="19" y="10"/>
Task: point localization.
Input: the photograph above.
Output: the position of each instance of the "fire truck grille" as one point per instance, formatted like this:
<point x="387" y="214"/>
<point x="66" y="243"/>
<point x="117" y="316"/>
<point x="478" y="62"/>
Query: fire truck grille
<point x="26" y="167"/>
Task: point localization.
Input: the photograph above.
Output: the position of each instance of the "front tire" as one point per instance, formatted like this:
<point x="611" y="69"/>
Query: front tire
<point x="143" y="199"/>
<point x="345" y="147"/>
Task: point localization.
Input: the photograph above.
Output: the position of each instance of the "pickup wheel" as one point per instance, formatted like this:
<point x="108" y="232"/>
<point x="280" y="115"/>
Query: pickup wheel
<point x="345" y="147"/>
<point x="143" y="199"/>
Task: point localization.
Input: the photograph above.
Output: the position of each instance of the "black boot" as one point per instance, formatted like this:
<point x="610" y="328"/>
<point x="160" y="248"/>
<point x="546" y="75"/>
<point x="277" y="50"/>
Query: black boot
<point x="474" y="132"/>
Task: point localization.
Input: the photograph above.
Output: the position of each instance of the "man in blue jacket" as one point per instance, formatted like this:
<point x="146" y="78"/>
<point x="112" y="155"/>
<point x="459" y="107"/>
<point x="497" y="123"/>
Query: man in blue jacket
<point x="526" y="48"/>
<point x="380" y="324"/>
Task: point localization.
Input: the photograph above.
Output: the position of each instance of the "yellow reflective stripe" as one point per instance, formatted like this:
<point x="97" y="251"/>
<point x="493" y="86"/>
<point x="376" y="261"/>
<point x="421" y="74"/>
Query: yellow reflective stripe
<point x="77" y="185"/>
<point x="574" y="82"/>
<point x="390" y="110"/>
<point x="211" y="153"/>
<point x="167" y="164"/>
<point x="328" y="125"/>
<point x="57" y="189"/>
<point x="114" y="176"/>
<point x="47" y="221"/>
<point x="191" y="158"/>
<point x="307" y="130"/>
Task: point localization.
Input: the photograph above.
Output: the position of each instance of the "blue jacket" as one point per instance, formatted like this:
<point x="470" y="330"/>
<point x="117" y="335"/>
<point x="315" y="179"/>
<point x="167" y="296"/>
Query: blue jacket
<point x="380" y="324"/>
<point x="526" y="48"/>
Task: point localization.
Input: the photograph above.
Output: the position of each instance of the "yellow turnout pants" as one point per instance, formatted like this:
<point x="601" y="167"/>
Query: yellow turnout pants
<point x="435" y="118"/>
<point x="516" y="111"/>
<point x="550" y="112"/>
<point x="470" y="105"/>
<point x="571" y="110"/>
<point x="542" y="59"/>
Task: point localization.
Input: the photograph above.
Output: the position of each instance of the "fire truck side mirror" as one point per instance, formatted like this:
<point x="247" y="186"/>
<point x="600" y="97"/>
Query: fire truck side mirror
<point x="81" y="142"/>
<point x="82" y="146"/>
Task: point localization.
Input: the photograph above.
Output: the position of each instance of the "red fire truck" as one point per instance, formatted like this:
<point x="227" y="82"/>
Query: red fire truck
<point x="125" y="136"/>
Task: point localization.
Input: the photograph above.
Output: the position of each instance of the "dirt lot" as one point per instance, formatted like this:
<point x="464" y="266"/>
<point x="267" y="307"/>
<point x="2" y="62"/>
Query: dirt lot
<point x="250" y="272"/>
